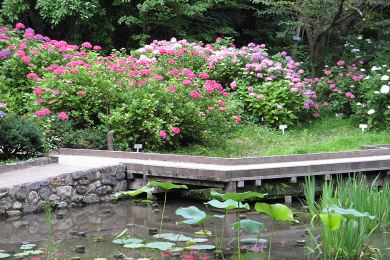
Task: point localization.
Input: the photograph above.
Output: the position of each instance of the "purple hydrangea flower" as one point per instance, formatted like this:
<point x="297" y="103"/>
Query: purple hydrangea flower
<point x="4" y="54"/>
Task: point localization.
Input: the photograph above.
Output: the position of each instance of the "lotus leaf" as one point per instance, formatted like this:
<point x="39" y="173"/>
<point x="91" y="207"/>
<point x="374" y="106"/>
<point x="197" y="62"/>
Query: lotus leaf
<point x="228" y="204"/>
<point x="238" y="196"/>
<point x="27" y="246"/>
<point x="276" y="211"/>
<point x="4" y="255"/>
<point x="201" y="247"/>
<point x="176" y="249"/>
<point x="134" y="193"/>
<point x="126" y="241"/>
<point x="193" y="215"/>
<point x="203" y="233"/>
<point x="197" y="240"/>
<point x="30" y="252"/>
<point x="134" y="245"/>
<point x="160" y="245"/>
<point x="348" y="213"/>
<point x="331" y="221"/>
<point x="166" y="185"/>
<point x="173" y="237"/>
<point x="249" y="226"/>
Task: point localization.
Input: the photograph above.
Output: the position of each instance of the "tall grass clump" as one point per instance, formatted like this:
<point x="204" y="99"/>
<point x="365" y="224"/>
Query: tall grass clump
<point x="358" y="193"/>
<point x="341" y="228"/>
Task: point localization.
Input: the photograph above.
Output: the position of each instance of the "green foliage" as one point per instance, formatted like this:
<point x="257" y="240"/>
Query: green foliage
<point x="227" y="204"/>
<point x="193" y="215"/>
<point x="276" y="211"/>
<point x="134" y="193"/>
<point x="19" y="138"/>
<point x="238" y="197"/>
<point x="166" y="186"/>
<point x="249" y="226"/>
<point x="345" y="231"/>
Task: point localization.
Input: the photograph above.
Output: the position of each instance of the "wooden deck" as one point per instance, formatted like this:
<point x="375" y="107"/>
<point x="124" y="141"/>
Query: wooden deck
<point x="233" y="174"/>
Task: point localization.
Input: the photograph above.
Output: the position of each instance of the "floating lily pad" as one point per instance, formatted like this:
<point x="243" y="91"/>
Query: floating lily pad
<point x="4" y="255"/>
<point x="173" y="237"/>
<point x="176" y="249"/>
<point x="160" y="245"/>
<point x="134" y="245"/>
<point x="30" y="252"/>
<point x="27" y="246"/>
<point x="203" y="233"/>
<point x="198" y="240"/>
<point x="127" y="241"/>
<point x="253" y="241"/>
<point x="201" y="247"/>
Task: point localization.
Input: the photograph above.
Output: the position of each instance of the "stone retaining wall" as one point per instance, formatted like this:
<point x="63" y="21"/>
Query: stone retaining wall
<point x="66" y="190"/>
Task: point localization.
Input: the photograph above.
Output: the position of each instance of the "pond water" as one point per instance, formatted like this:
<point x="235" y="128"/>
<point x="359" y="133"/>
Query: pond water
<point x="94" y="227"/>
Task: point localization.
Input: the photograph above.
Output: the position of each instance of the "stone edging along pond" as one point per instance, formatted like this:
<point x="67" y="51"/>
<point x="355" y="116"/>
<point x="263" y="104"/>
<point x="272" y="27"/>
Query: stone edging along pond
<point x="66" y="190"/>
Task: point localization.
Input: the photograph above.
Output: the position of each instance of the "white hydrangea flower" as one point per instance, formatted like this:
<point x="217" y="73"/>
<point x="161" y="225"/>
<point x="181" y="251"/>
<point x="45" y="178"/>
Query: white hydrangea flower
<point x="371" y="111"/>
<point x="355" y="50"/>
<point x="362" y="69"/>
<point x="385" y="89"/>
<point x="358" y="104"/>
<point x="360" y="37"/>
<point x="374" y="68"/>
<point x="385" y="77"/>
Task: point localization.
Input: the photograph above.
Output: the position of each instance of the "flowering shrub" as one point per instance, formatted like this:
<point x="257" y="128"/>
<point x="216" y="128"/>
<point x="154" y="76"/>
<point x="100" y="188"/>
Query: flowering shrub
<point x="3" y="110"/>
<point x="356" y="92"/>
<point x="373" y="105"/>
<point x="165" y="94"/>
<point x="339" y="86"/>
<point x="269" y="89"/>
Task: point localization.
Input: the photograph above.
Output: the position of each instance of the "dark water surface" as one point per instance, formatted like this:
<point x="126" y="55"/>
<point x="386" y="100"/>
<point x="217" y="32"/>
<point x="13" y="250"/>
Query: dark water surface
<point x="102" y="221"/>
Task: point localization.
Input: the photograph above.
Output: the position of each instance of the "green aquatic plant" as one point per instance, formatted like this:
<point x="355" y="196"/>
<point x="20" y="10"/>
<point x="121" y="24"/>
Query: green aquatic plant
<point x="194" y="216"/>
<point x="237" y="198"/>
<point x="250" y="226"/>
<point x="160" y="245"/>
<point x="277" y="212"/>
<point x="165" y="186"/>
<point x="358" y="193"/>
<point x="133" y="194"/>
<point x="344" y="230"/>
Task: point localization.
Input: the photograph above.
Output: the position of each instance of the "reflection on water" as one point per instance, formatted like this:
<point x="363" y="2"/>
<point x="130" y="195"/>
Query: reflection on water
<point x="104" y="220"/>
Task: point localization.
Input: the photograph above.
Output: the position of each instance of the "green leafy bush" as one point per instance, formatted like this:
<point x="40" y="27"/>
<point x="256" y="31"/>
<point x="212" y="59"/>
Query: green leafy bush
<point x="65" y="135"/>
<point x="19" y="138"/>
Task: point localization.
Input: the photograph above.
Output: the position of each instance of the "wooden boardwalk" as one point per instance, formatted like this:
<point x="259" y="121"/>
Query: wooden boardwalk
<point x="233" y="174"/>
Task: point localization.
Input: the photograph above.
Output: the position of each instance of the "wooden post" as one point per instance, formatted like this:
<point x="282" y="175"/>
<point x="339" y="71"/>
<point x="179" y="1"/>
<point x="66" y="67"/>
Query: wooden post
<point x="110" y="140"/>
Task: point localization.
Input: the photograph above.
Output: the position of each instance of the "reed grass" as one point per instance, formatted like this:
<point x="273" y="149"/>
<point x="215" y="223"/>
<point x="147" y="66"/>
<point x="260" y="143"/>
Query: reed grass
<point x="353" y="238"/>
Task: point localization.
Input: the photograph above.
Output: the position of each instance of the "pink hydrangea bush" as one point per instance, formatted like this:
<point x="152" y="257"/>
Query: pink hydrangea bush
<point x="357" y="92"/>
<point x="269" y="89"/>
<point x="137" y="97"/>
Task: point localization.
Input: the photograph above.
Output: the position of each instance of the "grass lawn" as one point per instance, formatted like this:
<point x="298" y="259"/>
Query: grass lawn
<point x="323" y="135"/>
